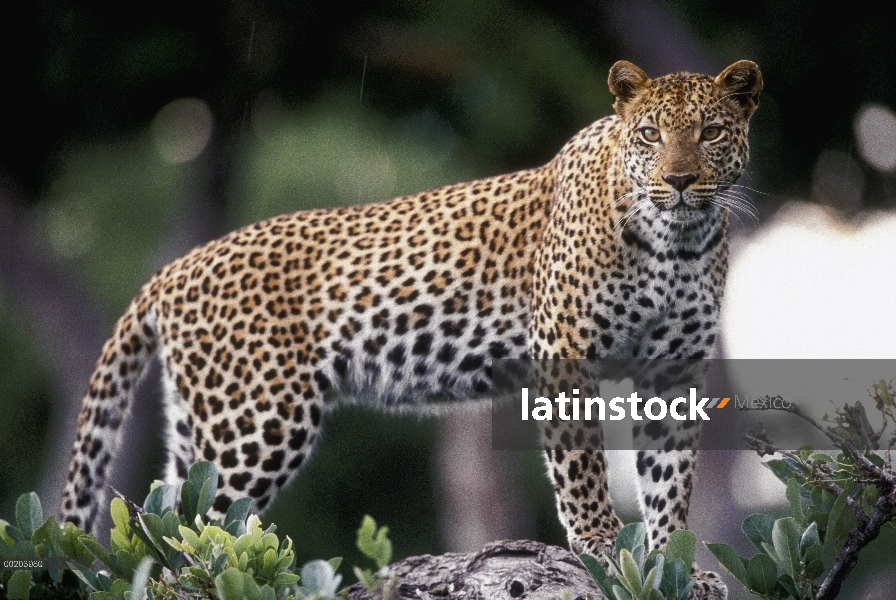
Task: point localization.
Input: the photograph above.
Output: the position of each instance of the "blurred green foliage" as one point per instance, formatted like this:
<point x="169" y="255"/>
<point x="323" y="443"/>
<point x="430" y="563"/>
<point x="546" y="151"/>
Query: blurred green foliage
<point x="25" y="404"/>
<point x="105" y="214"/>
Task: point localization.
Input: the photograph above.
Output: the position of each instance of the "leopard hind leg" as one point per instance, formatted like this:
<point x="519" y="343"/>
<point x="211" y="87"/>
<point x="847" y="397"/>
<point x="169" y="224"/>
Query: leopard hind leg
<point x="258" y="434"/>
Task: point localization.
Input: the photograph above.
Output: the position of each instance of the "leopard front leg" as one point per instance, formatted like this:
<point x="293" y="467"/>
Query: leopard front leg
<point x="666" y="462"/>
<point x="577" y="467"/>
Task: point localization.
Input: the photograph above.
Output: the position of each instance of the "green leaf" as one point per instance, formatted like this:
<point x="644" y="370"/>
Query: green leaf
<point x="758" y="528"/>
<point x="631" y="575"/>
<point x="171" y="526"/>
<point x="731" y="560"/>
<point x="29" y="514"/>
<point x="235" y="519"/>
<point x="814" y="569"/>
<point x="652" y="579"/>
<point x="598" y="574"/>
<point x="220" y="564"/>
<point x="189" y="536"/>
<point x="126" y="562"/>
<point x="105" y="582"/>
<point x="630" y="537"/>
<point x="318" y="577"/>
<point x="676" y="579"/>
<point x="614" y="564"/>
<point x="152" y="525"/>
<point x="813" y="552"/>
<point x="99" y="552"/>
<point x="654" y="594"/>
<point x="120" y="515"/>
<point x="288" y="579"/>
<point x="153" y="531"/>
<point x="373" y="542"/>
<point x="769" y="550"/>
<point x="793" y="496"/>
<point x="50" y="535"/>
<point x="594" y="568"/>
<point x="251" y="589"/>
<point x="269" y="560"/>
<point x="820" y="518"/>
<point x="88" y="577"/>
<point x="638" y="556"/>
<point x="780" y="469"/>
<point x="365" y="577"/>
<point x="795" y="466"/>
<point x="786" y="539"/>
<point x="787" y="583"/>
<point x="120" y="587"/>
<point x="763" y="574"/>
<point x="4" y="536"/>
<point x="229" y="584"/>
<point x="682" y="544"/>
<point x="876" y="460"/>
<point x="620" y="593"/>
<point x="837" y="528"/>
<point x="815" y="496"/>
<point x="657" y="571"/>
<point x="651" y="559"/>
<point x="161" y="499"/>
<point x="810" y="537"/>
<point x="19" y="585"/>
<point x="204" y="479"/>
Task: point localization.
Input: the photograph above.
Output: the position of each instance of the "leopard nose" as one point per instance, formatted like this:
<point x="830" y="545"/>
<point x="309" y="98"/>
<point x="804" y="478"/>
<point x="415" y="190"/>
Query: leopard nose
<point x="680" y="182"/>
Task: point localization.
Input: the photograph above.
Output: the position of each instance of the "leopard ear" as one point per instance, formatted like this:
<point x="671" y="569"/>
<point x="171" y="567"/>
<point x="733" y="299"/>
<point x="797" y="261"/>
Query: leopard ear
<point x="741" y="82"/>
<point x="626" y="82"/>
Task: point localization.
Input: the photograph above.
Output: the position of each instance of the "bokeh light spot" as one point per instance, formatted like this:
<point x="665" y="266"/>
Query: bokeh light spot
<point x="182" y="130"/>
<point x="875" y="130"/>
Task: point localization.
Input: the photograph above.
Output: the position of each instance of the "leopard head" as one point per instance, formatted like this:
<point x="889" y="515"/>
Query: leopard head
<point x="684" y="139"/>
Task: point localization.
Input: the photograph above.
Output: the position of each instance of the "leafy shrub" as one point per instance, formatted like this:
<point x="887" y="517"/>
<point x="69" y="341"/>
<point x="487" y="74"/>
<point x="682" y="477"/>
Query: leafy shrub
<point x="793" y="551"/>
<point x="838" y="505"/>
<point x="641" y="576"/>
<point x="168" y="556"/>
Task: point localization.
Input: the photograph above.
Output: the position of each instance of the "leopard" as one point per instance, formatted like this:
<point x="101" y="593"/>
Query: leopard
<point x="616" y="248"/>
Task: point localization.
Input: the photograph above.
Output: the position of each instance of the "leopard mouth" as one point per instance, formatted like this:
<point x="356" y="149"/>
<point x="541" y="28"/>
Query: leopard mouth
<point x="682" y="215"/>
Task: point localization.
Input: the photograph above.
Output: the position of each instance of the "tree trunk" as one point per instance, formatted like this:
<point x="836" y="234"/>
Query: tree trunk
<point x="506" y="569"/>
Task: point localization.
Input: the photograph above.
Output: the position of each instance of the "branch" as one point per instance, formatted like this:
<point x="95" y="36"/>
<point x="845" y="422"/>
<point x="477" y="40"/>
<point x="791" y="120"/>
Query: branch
<point x="841" y="442"/>
<point x="858" y="538"/>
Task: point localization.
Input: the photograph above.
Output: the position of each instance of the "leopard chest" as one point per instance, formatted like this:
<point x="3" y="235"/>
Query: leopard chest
<point x="659" y="308"/>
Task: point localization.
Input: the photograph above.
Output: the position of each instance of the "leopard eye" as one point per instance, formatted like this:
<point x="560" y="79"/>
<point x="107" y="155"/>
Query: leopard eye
<point x="650" y="134"/>
<point x="711" y="133"/>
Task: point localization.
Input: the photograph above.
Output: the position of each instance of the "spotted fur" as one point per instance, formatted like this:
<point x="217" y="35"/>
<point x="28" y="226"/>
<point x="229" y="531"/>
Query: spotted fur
<point x="616" y="248"/>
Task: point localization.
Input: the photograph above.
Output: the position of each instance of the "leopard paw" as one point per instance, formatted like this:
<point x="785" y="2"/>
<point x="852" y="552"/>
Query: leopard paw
<point x="709" y="586"/>
<point x="597" y="547"/>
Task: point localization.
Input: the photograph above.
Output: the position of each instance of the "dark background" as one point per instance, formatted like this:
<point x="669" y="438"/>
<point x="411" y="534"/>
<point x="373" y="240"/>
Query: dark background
<point x="331" y="103"/>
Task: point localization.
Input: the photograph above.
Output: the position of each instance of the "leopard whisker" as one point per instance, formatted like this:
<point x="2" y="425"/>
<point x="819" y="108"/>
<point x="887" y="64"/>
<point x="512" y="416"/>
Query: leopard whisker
<point x="628" y="216"/>
<point x="755" y="191"/>
<point x="736" y="203"/>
